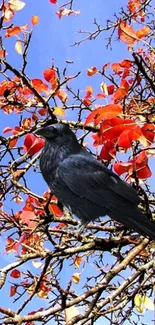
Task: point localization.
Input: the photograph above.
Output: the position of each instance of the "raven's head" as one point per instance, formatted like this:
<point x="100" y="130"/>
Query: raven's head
<point x="59" y="136"/>
<point x="59" y="133"/>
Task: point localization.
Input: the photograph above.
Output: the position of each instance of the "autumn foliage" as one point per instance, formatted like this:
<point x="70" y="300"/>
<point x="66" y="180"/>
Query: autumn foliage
<point x="110" y="269"/>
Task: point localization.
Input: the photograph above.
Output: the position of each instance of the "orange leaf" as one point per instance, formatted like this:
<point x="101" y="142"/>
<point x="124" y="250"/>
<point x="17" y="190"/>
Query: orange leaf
<point x="142" y="32"/>
<point x="126" y="33"/>
<point x="39" y="85"/>
<point x="13" y="290"/>
<point x="91" y="71"/>
<point x="34" y="20"/>
<point x="59" y="111"/>
<point x="49" y="74"/>
<point x="2" y="53"/>
<point x="12" y="143"/>
<point x="62" y="96"/>
<point x="89" y="91"/>
<point x="13" y="31"/>
<point x="102" y="112"/>
<point x="77" y="261"/>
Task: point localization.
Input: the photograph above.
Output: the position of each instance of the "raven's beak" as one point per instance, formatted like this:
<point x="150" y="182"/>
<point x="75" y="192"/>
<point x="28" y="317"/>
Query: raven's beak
<point x="41" y="132"/>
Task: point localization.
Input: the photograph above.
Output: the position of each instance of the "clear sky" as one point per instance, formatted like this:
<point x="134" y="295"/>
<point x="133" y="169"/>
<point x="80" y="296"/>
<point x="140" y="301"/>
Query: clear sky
<point x="52" y="39"/>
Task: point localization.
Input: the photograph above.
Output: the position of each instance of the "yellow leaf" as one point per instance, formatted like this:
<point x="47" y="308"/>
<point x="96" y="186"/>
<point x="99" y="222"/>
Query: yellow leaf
<point x="37" y="264"/>
<point x="18" y="47"/>
<point x="139" y="303"/>
<point x="42" y="294"/>
<point x="148" y="303"/>
<point x="59" y="111"/>
<point x="76" y="277"/>
<point x="104" y="88"/>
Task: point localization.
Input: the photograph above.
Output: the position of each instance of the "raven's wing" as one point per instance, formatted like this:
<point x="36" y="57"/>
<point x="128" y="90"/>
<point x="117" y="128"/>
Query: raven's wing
<point x="92" y="190"/>
<point x="88" y="178"/>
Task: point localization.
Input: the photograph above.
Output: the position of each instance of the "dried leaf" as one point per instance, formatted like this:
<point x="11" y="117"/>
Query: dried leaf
<point x="77" y="261"/>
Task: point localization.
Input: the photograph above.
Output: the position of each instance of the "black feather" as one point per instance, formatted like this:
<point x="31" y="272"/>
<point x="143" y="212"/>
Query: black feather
<point x="86" y="186"/>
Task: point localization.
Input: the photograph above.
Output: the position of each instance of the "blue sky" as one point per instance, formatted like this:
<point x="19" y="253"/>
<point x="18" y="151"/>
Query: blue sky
<point x="52" y="39"/>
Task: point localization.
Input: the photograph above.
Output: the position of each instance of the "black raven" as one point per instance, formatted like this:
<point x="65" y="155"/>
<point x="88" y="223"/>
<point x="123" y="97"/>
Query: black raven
<point x="86" y="186"/>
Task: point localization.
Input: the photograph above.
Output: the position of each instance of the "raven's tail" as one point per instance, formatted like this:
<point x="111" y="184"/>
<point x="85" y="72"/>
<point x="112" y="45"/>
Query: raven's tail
<point x="133" y="218"/>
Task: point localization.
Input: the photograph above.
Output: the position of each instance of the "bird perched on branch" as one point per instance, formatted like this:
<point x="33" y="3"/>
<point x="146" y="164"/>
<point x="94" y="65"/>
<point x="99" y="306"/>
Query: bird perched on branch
<point x="86" y="186"/>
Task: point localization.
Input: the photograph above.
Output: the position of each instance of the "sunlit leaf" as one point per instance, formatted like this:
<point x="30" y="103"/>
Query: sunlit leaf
<point x="76" y="277"/>
<point x="16" y="4"/>
<point x="138" y="301"/>
<point x="18" y="47"/>
<point x="13" y="31"/>
<point x="148" y="303"/>
<point x="34" y="20"/>
<point x="59" y="111"/>
<point x="91" y="71"/>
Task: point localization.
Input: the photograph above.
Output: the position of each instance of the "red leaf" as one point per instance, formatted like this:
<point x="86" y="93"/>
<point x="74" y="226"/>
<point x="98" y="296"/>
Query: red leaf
<point x="100" y="96"/>
<point x="108" y="151"/>
<point x="32" y="144"/>
<point x="15" y="274"/>
<point x="122" y="167"/>
<point x="127" y="136"/>
<point x="10" y="246"/>
<point x="7" y="129"/>
<point x="42" y="111"/>
<point x="148" y="131"/>
<point x="138" y="165"/>
<point x="29" y="218"/>
<point x="54" y="209"/>
<point x="110" y="89"/>
<point x="87" y="102"/>
<point x="53" y="1"/>
<point x="89" y="91"/>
